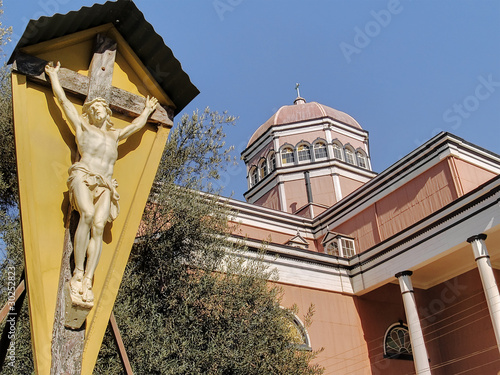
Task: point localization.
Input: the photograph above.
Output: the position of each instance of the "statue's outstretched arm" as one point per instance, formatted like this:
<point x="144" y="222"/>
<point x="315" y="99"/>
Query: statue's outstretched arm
<point x="140" y="121"/>
<point x="68" y="107"/>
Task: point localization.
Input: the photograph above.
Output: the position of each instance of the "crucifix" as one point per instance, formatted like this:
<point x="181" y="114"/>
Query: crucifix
<point x="92" y="190"/>
<point x="91" y="187"/>
<point x="297" y="88"/>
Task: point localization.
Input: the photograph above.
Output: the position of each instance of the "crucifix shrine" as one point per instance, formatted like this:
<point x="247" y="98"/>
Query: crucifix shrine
<point x="116" y="91"/>
<point x="92" y="190"/>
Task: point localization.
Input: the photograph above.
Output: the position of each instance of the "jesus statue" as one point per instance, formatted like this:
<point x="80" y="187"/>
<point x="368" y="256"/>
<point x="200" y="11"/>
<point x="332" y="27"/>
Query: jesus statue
<point x="92" y="189"/>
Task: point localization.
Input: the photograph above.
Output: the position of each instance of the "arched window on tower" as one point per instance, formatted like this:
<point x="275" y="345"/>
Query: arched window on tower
<point x="349" y="156"/>
<point x="337" y="151"/>
<point x="360" y="155"/>
<point x="253" y="176"/>
<point x="320" y="150"/>
<point x="397" y="343"/>
<point x="272" y="162"/>
<point x="263" y="169"/>
<point x="304" y="152"/>
<point x="287" y="156"/>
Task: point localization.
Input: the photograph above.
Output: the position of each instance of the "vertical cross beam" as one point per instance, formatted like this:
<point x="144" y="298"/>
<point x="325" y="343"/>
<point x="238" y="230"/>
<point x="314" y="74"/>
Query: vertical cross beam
<point x="68" y="344"/>
<point x="101" y="69"/>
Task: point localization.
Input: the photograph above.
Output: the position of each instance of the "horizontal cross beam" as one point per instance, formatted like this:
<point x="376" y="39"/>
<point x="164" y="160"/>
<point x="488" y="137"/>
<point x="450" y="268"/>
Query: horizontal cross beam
<point x="121" y="100"/>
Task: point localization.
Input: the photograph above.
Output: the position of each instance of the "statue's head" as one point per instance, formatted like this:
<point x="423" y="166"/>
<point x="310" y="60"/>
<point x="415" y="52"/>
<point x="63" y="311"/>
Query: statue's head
<point x="98" y="111"/>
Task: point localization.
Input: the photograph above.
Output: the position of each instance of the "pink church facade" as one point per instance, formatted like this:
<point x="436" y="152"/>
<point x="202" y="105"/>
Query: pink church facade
<point x="401" y="266"/>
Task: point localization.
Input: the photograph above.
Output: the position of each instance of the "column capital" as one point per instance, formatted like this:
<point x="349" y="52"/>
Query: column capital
<point x="403" y="273"/>
<point x="481" y="236"/>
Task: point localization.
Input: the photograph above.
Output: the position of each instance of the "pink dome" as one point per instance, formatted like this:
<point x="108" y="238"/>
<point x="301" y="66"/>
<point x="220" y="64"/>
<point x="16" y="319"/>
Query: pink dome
<point x="302" y="111"/>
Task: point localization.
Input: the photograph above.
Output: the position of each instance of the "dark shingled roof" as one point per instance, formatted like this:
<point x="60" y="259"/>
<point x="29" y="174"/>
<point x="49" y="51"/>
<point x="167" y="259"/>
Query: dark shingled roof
<point x="139" y="34"/>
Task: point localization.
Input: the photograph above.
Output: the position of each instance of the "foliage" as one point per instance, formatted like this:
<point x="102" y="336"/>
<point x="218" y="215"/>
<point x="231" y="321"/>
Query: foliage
<point x="195" y="153"/>
<point x="177" y="313"/>
<point x="11" y="249"/>
<point x="8" y="175"/>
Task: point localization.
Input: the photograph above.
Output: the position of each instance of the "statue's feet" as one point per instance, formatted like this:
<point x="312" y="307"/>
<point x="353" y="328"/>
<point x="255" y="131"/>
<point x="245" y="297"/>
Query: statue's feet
<point x="75" y="283"/>
<point x="88" y="293"/>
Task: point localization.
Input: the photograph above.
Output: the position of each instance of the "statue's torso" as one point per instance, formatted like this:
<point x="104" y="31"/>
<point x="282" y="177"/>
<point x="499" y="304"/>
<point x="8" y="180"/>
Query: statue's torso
<point x="98" y="149"/>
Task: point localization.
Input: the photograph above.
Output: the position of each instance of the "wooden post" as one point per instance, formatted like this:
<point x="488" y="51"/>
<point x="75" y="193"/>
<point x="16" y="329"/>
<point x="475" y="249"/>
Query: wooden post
<point x="67" y="344"/>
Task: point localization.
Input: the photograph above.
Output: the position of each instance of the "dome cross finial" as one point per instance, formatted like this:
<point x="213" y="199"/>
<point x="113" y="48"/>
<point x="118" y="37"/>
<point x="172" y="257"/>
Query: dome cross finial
<point x="297" y="88"/>
<point x="298" y="99"/>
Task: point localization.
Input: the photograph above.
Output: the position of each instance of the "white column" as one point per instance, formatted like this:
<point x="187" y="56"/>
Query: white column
<point x="488" y="280"/>
<point x="420" y="357"/>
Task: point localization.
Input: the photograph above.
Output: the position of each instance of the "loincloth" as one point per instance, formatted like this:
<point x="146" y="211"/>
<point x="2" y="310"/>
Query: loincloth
<point x="96" y="184"/>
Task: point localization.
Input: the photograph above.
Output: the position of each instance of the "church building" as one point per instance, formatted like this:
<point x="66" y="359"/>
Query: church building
<point x="400" y="266"/>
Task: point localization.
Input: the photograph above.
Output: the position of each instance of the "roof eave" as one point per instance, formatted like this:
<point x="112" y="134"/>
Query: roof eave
<point x="131" y="24"/>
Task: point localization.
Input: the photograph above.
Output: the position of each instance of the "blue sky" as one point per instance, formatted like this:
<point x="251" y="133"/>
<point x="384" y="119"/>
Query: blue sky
<point x="405" y="70"/>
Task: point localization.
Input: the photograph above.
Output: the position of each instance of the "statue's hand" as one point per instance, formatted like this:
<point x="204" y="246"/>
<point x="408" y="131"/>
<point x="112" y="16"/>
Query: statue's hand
<point x="50" y="69"/>
<point x="151" y="104"/>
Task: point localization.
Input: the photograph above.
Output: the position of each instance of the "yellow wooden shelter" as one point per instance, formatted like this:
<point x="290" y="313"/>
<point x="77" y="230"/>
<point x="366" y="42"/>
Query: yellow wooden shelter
<point x="46" y="148"/>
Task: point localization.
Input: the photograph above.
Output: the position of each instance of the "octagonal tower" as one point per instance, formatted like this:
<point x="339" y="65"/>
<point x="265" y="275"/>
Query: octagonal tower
<point x="305" y="158"/>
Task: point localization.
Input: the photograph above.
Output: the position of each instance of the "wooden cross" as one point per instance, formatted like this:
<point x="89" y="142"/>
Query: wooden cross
<point x="68" y="345"/>
<point x="97" y="84"/>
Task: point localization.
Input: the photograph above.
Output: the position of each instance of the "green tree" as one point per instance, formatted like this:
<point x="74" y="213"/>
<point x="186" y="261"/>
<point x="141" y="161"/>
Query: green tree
<point x="178" y="313"/>
<point x="11" y="249"/>
<point x="8" y="174"/>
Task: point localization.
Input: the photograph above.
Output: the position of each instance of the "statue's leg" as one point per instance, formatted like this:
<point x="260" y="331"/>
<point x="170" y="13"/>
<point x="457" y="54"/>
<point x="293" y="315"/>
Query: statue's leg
<point x="102" y="207"/>
<point x="85" y="205"/>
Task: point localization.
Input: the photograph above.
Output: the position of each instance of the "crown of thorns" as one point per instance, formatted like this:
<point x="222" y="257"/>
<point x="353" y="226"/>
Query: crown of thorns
<point x="87" y="105"/>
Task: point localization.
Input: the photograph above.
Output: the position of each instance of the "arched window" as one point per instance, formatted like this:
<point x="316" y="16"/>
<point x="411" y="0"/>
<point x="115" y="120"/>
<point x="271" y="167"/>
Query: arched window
<point x="333" y="248"/>
<point x="397" y="343"/>
<point x="287" y="156"/>
<point x="263" y="169"/>
<point x="272" y="162"/>
<point x="298" y="333"/>
<point x="304" y="152"/>
<point x="337" y="151"/>
<point x="320" y="150"/>
<point x="253" y="176"/>
<point x="340" y="246"/>
<point x="349" y="156"/>
<point x="362" y="159"/>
